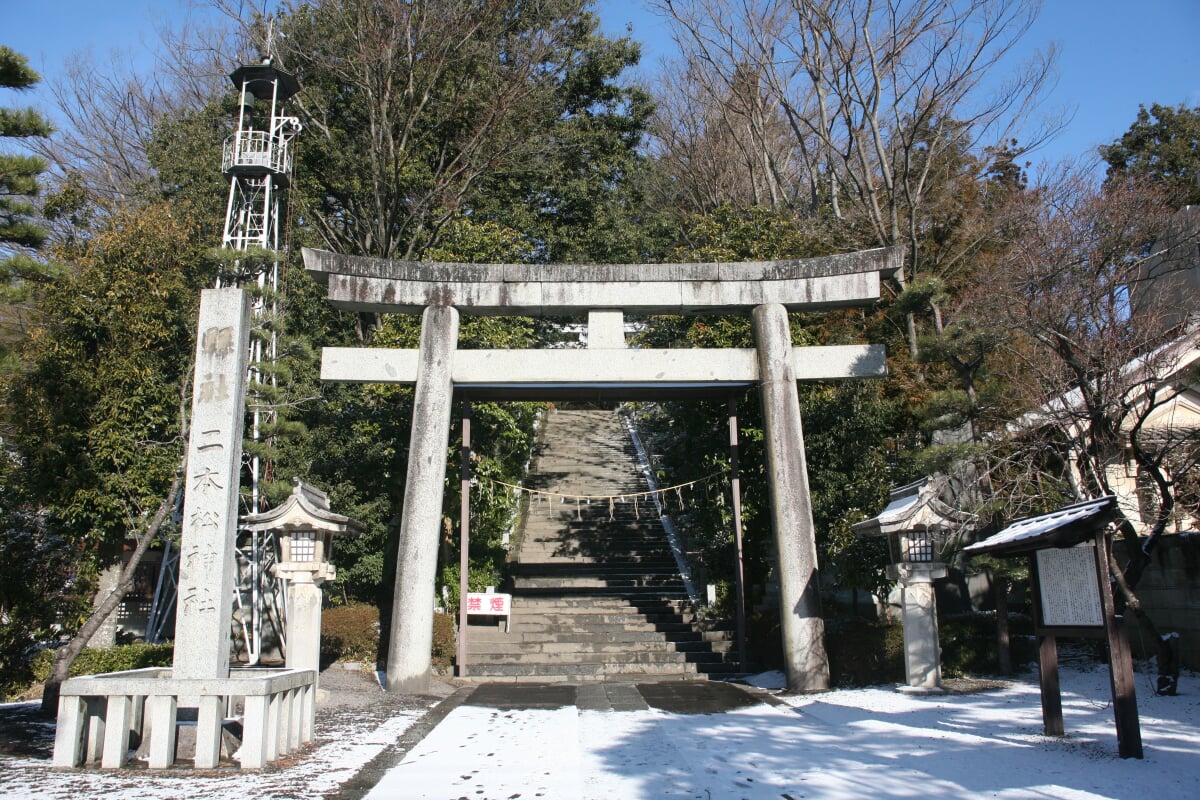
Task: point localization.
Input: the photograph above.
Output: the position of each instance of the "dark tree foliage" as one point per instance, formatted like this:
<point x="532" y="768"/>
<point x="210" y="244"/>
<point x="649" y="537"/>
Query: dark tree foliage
<point x="1162" y="146"/>
<point x="96" y="415"/>
<point x="847" y="424"/>
<point x="416" y="113"/>
<point x="21" y="235"/>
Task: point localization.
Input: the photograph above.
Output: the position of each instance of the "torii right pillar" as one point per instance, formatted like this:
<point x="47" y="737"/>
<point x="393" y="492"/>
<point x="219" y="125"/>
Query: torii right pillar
<point x="791" y="504"/>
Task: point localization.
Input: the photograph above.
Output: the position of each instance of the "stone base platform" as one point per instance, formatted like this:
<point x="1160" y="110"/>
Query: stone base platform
<point x="99" y="714"/>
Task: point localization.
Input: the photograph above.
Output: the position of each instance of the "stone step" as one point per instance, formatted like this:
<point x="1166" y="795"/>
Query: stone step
<point x="582" y="619"/>
<point x="596" y="530"/>
<point x="553" y="538"/>
<point x="609" y="627"/>
<point x="653" y="610"/>
<point x="567" y="532"/>
<point x="562" y="673"/>
<point x="594" y="565"/>
<point x="590" y="578"/>
<point x="552" y="636"/>
<point x="555" y="650"/>
<point x="624" y="658"/>
<point x="584" y="615"/>
<point x="533" y="575"/>
<point x="596" y="590"/>
<point x="590" y="635"/>
<point x="627" y="592"/>
<point x="593" y="552"/>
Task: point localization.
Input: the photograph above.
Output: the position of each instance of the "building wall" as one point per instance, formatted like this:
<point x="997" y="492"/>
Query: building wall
<point x="1170" y="594"/>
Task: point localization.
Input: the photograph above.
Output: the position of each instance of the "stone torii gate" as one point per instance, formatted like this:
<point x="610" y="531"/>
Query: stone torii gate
<point x="441" y="291"/>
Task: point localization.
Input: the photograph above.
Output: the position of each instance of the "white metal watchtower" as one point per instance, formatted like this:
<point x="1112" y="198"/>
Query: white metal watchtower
<point x="257" y="158"/>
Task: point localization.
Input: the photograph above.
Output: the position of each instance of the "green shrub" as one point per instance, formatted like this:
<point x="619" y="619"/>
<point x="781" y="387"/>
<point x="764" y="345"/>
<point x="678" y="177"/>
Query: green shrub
<point x="93" y="661"/>
<point x="969" y="644"/>
<point x="350" y="633"/>
<point x="863" y="653"/>
<point x="444" y="643"/>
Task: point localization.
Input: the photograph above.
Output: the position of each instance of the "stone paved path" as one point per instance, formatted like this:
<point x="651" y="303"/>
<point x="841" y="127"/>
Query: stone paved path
<point x="560" y="741"/>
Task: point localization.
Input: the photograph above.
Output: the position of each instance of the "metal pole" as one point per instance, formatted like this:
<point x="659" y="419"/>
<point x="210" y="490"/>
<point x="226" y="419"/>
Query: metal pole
<point x="464" y="526"/>
<point x="739" y="565"/>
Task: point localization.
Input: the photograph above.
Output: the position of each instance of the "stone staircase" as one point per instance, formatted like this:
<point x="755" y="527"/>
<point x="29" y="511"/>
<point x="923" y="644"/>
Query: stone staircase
<point x="597" y="595"/>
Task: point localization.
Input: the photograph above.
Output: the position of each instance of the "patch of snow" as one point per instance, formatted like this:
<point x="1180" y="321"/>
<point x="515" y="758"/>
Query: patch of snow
<point x="774" y="679"/>
<point x="872" y="742"/>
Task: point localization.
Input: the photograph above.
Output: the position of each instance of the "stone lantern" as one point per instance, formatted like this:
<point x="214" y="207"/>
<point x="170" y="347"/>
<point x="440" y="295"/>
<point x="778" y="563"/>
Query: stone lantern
<point x="305" y="528"/>
<point x="916" y="521"/>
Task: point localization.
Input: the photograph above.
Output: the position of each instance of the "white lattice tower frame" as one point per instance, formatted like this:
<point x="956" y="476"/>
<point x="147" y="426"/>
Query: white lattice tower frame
<point x="257" y="159"/>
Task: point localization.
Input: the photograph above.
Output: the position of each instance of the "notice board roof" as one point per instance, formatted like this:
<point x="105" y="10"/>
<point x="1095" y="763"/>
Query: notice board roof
<point x="1065" y="527"/>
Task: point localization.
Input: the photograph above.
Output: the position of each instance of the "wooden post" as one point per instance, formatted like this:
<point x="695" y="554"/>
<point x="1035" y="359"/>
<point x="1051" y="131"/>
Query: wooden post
<point x="1120" y="666"/>
<point x="739" y="571"/>
<point x="464" y="527"/>
<point x="1052" y="716"/>
<point x="1003" y="639"/>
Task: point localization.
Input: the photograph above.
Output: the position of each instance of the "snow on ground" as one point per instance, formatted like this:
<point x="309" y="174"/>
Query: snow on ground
<point x="344" y="751"/>
<point x="872" y="742"/>
<point x="847" y="744"/>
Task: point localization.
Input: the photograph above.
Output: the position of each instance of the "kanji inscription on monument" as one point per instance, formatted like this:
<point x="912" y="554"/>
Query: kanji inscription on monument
<point x="1070" y="588"/>
<point x="207" y="564"/>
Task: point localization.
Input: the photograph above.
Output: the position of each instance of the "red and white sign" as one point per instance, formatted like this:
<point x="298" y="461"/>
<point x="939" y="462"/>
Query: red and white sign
<point x="489" y="603"/>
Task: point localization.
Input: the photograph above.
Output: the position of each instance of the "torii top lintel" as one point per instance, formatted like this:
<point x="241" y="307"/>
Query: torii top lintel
<point x="359" y="283"/>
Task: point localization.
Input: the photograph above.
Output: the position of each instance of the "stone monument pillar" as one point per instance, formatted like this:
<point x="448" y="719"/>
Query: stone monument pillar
<point x="207" y="565"/>
<point x="791" y="504"/>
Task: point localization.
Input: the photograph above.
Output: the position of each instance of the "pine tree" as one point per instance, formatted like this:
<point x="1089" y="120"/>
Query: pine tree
<point x="20" y="236"/>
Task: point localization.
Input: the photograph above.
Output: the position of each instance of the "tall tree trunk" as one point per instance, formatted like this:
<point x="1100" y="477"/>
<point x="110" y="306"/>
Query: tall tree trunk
<point x="67" y="654"/>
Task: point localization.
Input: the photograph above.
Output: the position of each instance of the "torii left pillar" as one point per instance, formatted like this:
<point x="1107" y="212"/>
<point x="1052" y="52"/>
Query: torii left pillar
<point x="416" y="558"/>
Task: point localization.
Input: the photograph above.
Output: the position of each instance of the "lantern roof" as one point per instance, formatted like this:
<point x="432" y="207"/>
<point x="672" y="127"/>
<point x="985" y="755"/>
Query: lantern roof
<point x="919" y="506"/>
<point x="307" y="508"/>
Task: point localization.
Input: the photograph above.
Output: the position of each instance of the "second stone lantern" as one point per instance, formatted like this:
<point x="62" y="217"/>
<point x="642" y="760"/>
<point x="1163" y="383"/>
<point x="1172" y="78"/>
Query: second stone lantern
<point x="915" y="523"/>
<point x="305" y="528"/>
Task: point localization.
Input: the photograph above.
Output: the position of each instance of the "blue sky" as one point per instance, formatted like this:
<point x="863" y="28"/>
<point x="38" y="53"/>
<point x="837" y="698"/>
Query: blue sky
<point x="1115" y="53"/>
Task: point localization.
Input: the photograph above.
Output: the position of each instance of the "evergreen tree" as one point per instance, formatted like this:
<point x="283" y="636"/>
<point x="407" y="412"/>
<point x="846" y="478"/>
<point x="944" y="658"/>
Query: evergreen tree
<point x="416" y="113"/>
<point x="1163" y="146"/>
<point x="20" y="236"/>
<point x="847" y="424"/>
